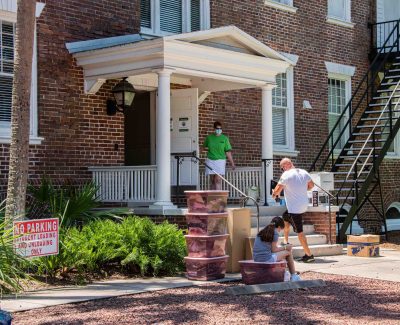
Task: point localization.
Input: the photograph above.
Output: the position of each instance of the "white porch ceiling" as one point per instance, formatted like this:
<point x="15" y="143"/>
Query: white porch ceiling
<point x="218" y="59"/>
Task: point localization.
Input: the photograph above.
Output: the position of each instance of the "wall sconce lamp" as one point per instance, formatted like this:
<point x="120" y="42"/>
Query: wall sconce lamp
<point x="124" y="93"/>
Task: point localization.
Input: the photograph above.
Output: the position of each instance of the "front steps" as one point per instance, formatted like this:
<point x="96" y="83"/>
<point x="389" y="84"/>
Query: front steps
<point x="318" y="243"/>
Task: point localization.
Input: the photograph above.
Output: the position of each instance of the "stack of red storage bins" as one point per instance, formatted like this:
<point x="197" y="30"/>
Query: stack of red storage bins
<point x="206" y="239"/>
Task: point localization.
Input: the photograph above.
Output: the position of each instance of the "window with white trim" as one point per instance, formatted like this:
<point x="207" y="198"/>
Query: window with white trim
<point x="8" y="18"/>
<point x="339" y="10"/>
<point x="164" y="17"/>
<point x="337" y="99"/>
<point x="282" y="112"/>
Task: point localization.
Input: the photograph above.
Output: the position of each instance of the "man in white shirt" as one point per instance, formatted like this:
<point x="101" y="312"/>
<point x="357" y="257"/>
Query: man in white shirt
<point x="296" y="182"/>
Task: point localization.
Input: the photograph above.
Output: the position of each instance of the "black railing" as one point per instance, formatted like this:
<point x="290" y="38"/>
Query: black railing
<point x="363" y="94"/>
<point x="379" y="34"/>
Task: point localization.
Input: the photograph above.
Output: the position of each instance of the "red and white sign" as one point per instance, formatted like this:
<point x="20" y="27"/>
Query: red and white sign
<point x="36" y="237"/>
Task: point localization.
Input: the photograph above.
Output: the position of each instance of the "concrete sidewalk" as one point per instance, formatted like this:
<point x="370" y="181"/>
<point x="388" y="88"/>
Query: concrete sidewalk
<point x="384" y="268"/>
<point x="98" y="290"/>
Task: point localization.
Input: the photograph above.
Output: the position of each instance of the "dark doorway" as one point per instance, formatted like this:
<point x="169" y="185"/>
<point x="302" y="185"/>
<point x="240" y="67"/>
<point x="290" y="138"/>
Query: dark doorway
<point x="137" y="131"/>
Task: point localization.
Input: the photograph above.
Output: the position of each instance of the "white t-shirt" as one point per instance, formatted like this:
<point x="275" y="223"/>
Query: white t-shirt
<point x="295" y="183"/>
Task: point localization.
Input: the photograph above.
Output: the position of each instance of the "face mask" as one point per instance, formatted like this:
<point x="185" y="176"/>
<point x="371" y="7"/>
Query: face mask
<point x="218" y="131"/>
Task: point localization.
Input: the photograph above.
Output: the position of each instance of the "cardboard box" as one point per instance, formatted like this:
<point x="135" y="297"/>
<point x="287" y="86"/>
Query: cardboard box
<point x="239" y="228"/>
<point x="363" y="245"/>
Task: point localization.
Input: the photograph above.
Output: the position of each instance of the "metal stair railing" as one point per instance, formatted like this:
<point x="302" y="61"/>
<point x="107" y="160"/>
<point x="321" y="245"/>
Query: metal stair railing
<point x="193" y="156"/>
<point x="363" y="93"/>
<point x="376" y="161"/>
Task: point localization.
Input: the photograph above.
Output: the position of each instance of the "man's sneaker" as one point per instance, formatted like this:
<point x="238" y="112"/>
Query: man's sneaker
<point x="308" y="259"/>
<point x="295" y="277"/>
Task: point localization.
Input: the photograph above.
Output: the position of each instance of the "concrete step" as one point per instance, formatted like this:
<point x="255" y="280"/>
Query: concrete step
<point x="313" y="239"/>
<point x="320" y="250"/>
<point x="307" y="229"/>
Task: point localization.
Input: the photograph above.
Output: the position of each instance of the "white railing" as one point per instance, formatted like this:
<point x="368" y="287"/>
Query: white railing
<point x="125" y="183"/>
<point x="241" y="177"/>
<point x="138" y="183"/>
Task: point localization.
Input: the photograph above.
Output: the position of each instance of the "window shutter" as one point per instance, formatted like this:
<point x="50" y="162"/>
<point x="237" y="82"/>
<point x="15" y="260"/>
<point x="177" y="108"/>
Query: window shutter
<point x="171" y="16"/>
<point x="337" y="9"/>
<point x="279" y="126"/>
<point x="7" y="30"/>
<point x="145" y="13"/>
<point x="195" y="15"/>
<point x="5" y="98"/>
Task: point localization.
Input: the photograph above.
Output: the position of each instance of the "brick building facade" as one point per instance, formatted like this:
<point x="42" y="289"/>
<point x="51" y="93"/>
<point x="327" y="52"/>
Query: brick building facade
<point x="75" y="132"/>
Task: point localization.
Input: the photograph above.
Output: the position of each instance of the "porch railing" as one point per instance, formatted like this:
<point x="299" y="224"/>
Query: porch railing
<point x="242" y="178"/>
<point x="138" y="183"/>
<point x="125" y="183"/>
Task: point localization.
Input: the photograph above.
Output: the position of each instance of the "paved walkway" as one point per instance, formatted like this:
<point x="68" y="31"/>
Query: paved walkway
<point x="384" y="268"/>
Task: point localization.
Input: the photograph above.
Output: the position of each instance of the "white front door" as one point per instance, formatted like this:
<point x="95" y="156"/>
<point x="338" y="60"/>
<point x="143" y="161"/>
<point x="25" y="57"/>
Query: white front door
<point x="386" y="10"/>
<point x="184" y="134"/>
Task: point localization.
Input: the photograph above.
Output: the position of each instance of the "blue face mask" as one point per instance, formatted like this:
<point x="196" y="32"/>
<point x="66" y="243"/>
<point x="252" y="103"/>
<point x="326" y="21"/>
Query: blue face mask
<point x="218" y="131"/>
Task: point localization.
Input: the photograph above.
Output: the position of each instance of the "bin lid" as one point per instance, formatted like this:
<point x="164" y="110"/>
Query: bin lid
<point x="211" y="237"/>
<point x="203" y="259"/>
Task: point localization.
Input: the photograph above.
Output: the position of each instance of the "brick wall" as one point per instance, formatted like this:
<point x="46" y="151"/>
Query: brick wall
<point x="320" y="220"/>
<point x="77" y="132"/>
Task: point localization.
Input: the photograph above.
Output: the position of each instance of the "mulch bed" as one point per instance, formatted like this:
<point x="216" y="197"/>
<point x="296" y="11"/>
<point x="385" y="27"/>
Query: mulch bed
<point x="345" y="300"/>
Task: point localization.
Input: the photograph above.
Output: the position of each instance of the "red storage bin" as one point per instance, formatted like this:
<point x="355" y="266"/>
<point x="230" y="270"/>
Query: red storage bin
<point x="206" y="246"/>
<point x="207" y="201"/>
<point x="206" y="268"/>
<point x="262" y="272"/>
<point x="205" y="224"/>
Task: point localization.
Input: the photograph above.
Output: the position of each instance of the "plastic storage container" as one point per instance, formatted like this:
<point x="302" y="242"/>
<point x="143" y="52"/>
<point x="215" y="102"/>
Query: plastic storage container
<point x="262" y="272"/>
<point x="207" y="201"/>
<point x="206" y="268"/>
<point x="205" y="224"/>
<point x="206" y="246"/>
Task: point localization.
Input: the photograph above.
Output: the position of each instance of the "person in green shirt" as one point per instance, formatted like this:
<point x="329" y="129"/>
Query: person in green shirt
<point x="218" y="149"/>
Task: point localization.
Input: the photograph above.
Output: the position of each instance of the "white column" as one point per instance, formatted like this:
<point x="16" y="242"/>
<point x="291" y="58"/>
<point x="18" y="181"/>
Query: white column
<point x="267" y="140"/>
<point x="163" y="141"/>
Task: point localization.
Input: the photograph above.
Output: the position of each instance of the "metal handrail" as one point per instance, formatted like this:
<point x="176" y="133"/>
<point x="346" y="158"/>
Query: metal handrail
<point x="370" y="84"/>
<point x="245" y="197"/>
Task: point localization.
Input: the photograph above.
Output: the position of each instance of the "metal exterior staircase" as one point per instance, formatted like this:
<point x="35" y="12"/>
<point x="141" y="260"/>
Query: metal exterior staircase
<point x="368" y="124"/>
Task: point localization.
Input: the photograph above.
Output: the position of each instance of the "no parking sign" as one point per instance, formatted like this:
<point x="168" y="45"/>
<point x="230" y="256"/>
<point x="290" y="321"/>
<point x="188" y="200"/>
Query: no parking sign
<point x="36" y="237"/>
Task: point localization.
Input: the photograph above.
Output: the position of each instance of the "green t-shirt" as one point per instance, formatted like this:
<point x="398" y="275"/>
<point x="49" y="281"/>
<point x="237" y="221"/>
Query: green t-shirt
<point x="217" y="146"/>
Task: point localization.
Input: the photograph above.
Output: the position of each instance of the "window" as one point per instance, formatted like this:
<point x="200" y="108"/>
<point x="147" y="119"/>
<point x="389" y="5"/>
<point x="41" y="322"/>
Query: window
<point x="164" y="17"/>
<point x="7" y="34"/>
<point x="8" y="18"/>
<point x="339" y="10"/>
<point x="337" y="100"/>
<point x="282" y="112"/>
<point x="285" y="2"/>
<point x="286" y="5"/>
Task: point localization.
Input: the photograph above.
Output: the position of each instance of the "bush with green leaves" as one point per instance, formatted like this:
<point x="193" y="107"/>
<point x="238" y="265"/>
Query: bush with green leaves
<point x="134" y="245"/>
<point x="12" y="266"/>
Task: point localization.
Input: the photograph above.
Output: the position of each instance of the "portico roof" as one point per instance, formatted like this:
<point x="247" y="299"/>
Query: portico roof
<point x="217" y="59"/>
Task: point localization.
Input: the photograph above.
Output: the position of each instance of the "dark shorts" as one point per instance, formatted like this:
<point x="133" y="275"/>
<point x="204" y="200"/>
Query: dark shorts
<point x="296" y="220"/>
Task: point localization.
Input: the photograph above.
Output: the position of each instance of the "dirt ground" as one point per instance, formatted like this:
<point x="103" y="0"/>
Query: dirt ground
<point x="393" y="241"/>
<point x="345" y="300"/>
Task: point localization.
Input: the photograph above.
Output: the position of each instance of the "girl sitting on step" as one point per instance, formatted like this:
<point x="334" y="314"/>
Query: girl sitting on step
<point x="266" y="248"/>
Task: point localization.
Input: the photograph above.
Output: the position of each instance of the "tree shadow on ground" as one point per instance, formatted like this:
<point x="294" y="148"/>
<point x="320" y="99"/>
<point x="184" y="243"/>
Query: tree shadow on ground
<point x="341" y="300"/>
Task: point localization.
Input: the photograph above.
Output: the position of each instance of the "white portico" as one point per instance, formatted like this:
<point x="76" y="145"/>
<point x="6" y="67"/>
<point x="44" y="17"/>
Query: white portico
<point x="220" y="59"/>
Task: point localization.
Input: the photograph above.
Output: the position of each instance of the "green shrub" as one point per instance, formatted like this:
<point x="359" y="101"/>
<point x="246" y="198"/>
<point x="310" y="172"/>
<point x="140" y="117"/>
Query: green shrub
<point x="135" y="245"/>
<point x="11" y="265"/>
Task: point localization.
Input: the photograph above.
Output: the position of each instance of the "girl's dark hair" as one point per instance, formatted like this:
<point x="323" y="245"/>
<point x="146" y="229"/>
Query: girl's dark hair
<point x="267" y="234"/>
<point x="216" y="124"/>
